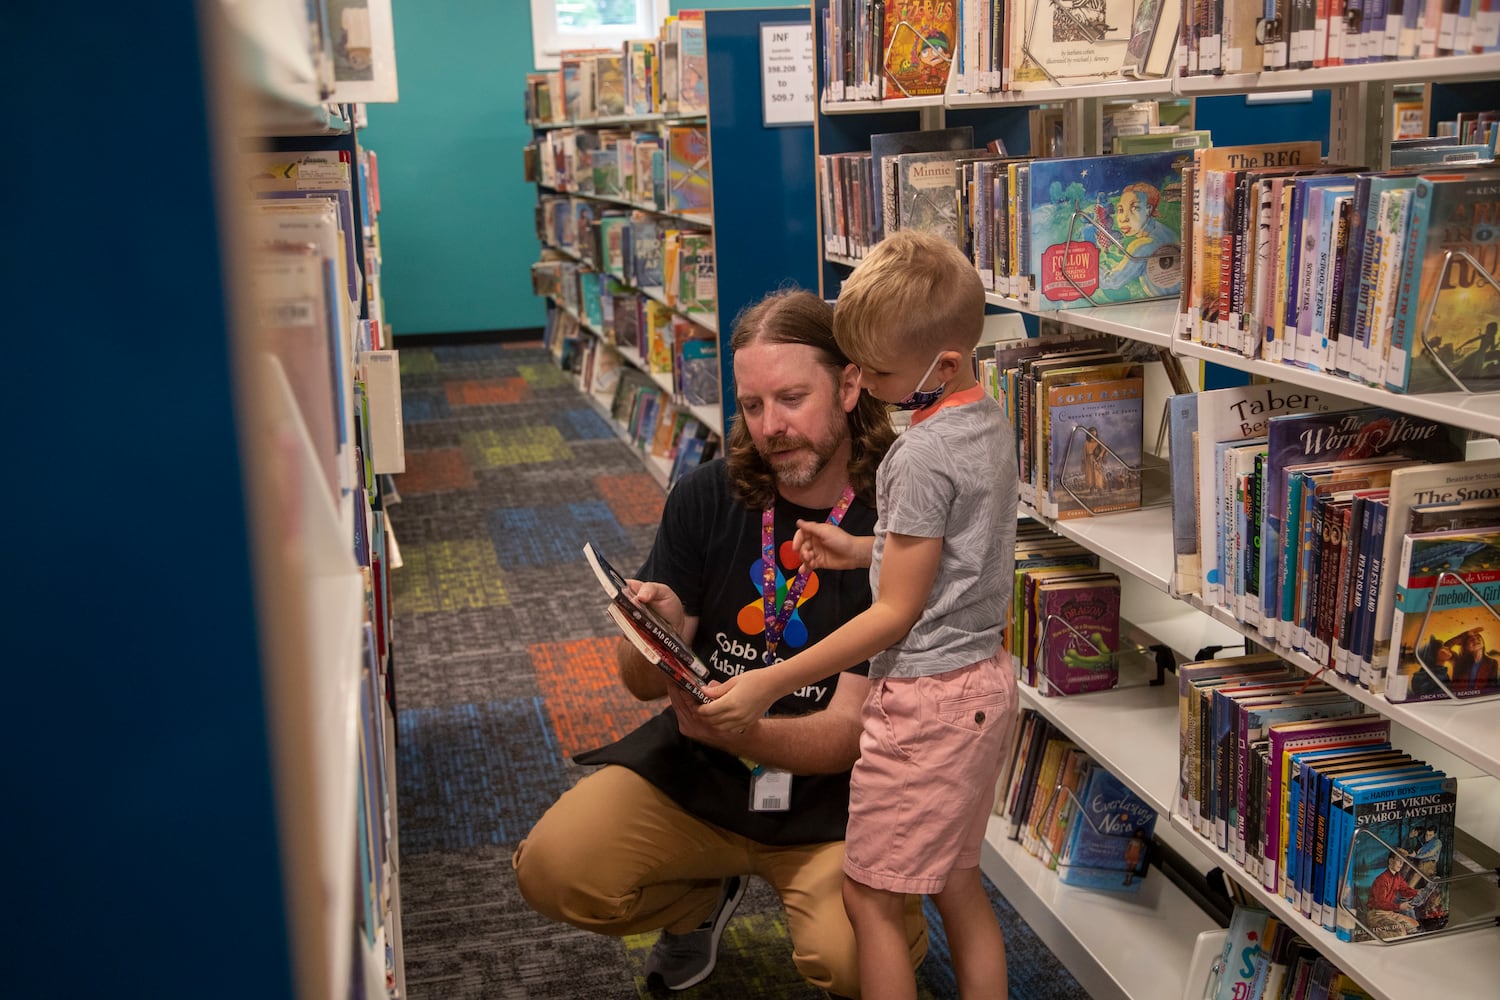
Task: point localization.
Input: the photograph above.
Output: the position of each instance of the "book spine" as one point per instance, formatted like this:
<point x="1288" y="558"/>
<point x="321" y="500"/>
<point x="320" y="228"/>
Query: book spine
<point x="1408" y="314"/>
<point x="1379" y="524"/>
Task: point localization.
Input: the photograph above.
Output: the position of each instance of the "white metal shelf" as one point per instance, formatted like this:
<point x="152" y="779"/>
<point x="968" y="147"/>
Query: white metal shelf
<point x="1477" y="411"/>
<point x="1465" y="963"/>
<point x="1469" y="730"/>
<point x="1443" y="69"/>
<point x="1116" y="945"/>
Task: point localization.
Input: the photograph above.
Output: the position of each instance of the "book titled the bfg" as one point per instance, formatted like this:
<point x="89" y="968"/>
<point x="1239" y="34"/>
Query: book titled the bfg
<point x="1106" y="229"/>
<point x="1109" y="844"/>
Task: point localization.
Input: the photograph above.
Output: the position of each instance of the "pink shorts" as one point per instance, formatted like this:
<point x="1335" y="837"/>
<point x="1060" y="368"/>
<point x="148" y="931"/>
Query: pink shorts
<point x="923" y="788"/>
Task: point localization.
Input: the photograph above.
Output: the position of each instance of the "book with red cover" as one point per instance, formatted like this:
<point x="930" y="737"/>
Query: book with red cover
<point x="657" y="641"/>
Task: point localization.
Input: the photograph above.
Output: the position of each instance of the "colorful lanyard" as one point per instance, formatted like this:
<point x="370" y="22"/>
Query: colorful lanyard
<point x="776" y="619"/>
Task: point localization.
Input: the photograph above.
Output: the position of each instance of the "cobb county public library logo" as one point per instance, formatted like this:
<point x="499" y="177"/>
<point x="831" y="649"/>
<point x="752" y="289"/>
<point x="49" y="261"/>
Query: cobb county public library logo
<point x="752" y="617"/>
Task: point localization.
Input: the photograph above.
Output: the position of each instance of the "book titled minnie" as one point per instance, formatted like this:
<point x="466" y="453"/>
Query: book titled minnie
<point x="657" y="641"/>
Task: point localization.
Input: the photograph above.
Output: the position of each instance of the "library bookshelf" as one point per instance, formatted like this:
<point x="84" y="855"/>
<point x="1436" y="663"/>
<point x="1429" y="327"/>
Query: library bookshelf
<point x="1144" y="946"/>
<point x="750" y="258"/>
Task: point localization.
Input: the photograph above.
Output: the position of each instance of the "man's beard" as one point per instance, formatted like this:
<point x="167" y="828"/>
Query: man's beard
<point x="808" y="462"/>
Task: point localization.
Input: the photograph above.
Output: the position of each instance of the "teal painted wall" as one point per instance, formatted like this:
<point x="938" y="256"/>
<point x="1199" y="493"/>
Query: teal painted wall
<point x="457" y="226"/>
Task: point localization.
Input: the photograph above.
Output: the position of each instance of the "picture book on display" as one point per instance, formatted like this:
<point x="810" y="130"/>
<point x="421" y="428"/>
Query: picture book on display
<point x="1094" y="451"/>
<point x="1108" y="847"/>
<point x="1105" y="229"/>
<point x="1445" y="482"/>
<point x="1080" y="634"/>
<point x="1448" y="308"/>
<point x="1446" y="624"/>
<point x="884" y="145"/>
<point x="919" y="43"/>
<point x="657" y="641"/>
<point x="1399" y="858"/>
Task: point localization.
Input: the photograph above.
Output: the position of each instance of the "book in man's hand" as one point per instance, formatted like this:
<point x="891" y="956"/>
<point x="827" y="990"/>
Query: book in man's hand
<point x="657" y="641"/>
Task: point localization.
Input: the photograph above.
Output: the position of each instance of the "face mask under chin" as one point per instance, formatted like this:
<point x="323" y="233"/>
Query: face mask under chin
<point x="919" y="398"/>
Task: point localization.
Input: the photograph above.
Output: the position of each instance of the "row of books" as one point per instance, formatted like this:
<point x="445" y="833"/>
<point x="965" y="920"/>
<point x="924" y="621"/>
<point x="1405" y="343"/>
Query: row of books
<point x="1264" y="959"/>
<point x="1303" y="789"/>
<point x="1064" y="636"/>
<point x="664" y="167"/>
<point x="1387" y="278"/>
<point x="646" y="415"/>
<point x="1071" y="813"/>
<point x="892" y="49"/>
<point x="1076" y="406"/>
<point x="1055" y="233"/>
<point x="667" y="74"/>
<point x="1313" y="521"/>
<point x="1119" y="121"/>
<point x="672" y="259"/>
<point x="665" y="342"/>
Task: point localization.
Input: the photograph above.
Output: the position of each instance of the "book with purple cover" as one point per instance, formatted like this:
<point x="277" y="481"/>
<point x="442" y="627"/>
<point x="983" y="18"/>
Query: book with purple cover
<point x="1080" y="628"/>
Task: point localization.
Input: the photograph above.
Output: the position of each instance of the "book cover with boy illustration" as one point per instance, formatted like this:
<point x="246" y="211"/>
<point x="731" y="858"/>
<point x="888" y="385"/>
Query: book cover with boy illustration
<point x="1446" y="621"/>
<point x="1106" y="229"/>
<point x="1448" y="300"/>
<point x="918" y="51"/>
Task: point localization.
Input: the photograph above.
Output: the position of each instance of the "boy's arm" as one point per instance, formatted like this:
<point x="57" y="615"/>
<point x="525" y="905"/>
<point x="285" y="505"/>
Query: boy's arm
<point x="907" y="572"/>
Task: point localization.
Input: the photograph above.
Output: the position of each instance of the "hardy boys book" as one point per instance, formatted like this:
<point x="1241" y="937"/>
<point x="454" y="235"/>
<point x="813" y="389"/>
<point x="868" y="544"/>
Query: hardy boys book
<point x="655" y="639"/>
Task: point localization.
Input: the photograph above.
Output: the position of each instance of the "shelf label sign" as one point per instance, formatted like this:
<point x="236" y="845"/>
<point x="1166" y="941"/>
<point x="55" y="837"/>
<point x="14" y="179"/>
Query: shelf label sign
<point x="786" y="74"/>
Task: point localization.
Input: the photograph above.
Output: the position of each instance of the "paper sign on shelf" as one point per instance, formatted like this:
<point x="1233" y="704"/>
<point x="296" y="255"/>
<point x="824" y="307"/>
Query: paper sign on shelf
<point x="786" y="74"/>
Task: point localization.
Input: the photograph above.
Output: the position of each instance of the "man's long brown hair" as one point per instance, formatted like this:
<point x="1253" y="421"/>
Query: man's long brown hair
<point x="795" y="316"/>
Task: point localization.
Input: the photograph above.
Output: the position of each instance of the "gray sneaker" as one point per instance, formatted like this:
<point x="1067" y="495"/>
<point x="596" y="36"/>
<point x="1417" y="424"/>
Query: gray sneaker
<point x="679" y="961"/>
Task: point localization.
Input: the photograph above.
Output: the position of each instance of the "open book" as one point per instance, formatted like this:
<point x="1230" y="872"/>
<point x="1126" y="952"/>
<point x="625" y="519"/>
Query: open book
<point x="646" y="630"/>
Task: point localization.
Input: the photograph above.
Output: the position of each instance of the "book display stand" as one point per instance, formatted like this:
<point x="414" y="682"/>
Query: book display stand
<point x="1489" y="350"/>
<point x="1472" y="898"/>
<point x="1434" y="671"/>
<point x="1151" y="469"/>
<point x="1162" y="264"/>
<point x="1064" y="802"/>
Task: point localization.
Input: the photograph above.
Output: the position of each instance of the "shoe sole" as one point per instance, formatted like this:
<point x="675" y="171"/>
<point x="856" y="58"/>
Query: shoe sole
<point x="725" y="912"/>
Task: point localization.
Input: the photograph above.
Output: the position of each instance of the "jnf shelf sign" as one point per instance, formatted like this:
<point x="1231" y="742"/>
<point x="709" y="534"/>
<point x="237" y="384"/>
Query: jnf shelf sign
<point x="786" y="73"/>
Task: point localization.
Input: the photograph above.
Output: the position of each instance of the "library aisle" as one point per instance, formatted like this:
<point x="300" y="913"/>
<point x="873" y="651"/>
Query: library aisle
<point x="506" y="669"/>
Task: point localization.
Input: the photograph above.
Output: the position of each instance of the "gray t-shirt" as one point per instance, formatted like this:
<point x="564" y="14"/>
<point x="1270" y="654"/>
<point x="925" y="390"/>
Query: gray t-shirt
<point x="952" y="476"/>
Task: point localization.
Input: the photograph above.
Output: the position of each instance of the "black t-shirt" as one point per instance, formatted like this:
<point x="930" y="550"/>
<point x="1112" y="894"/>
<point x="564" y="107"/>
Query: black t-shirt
<point x="708" y="551"/>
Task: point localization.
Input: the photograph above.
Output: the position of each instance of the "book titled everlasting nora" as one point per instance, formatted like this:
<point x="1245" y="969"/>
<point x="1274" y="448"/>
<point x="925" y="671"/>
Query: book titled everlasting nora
<point x="1109" y="843"/>
<point x="1106" y="228"/>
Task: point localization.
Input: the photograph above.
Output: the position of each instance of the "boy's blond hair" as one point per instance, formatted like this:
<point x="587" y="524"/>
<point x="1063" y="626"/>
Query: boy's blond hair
<point x="914" y="293"/>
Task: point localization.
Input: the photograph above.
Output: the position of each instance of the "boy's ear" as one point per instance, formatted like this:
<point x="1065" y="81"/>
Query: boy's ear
<point x="949" y="363"/>
<point x="849" y="387"/>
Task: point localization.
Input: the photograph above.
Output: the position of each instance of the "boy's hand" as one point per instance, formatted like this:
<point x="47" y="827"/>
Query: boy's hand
<point x="739" y="702"/>
<point x="824" y="546"/>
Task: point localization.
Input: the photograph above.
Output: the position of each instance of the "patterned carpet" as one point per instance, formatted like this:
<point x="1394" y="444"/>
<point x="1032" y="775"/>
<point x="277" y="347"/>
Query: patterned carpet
<point x="504" y="669"/>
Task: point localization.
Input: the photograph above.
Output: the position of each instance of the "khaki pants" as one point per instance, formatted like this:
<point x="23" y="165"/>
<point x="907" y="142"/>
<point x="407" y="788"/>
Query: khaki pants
<point x="615" y="856"/>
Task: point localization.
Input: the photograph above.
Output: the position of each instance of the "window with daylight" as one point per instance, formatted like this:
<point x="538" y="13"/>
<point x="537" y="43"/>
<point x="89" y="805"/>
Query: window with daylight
<point x="579" y="24"/>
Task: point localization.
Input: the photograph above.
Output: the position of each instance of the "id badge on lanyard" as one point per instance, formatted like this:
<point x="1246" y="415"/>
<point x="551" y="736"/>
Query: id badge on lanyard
<point x="771" y="788"/>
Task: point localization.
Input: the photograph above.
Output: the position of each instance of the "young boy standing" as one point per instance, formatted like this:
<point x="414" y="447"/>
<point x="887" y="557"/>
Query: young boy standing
<point x="942" y="701"/>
